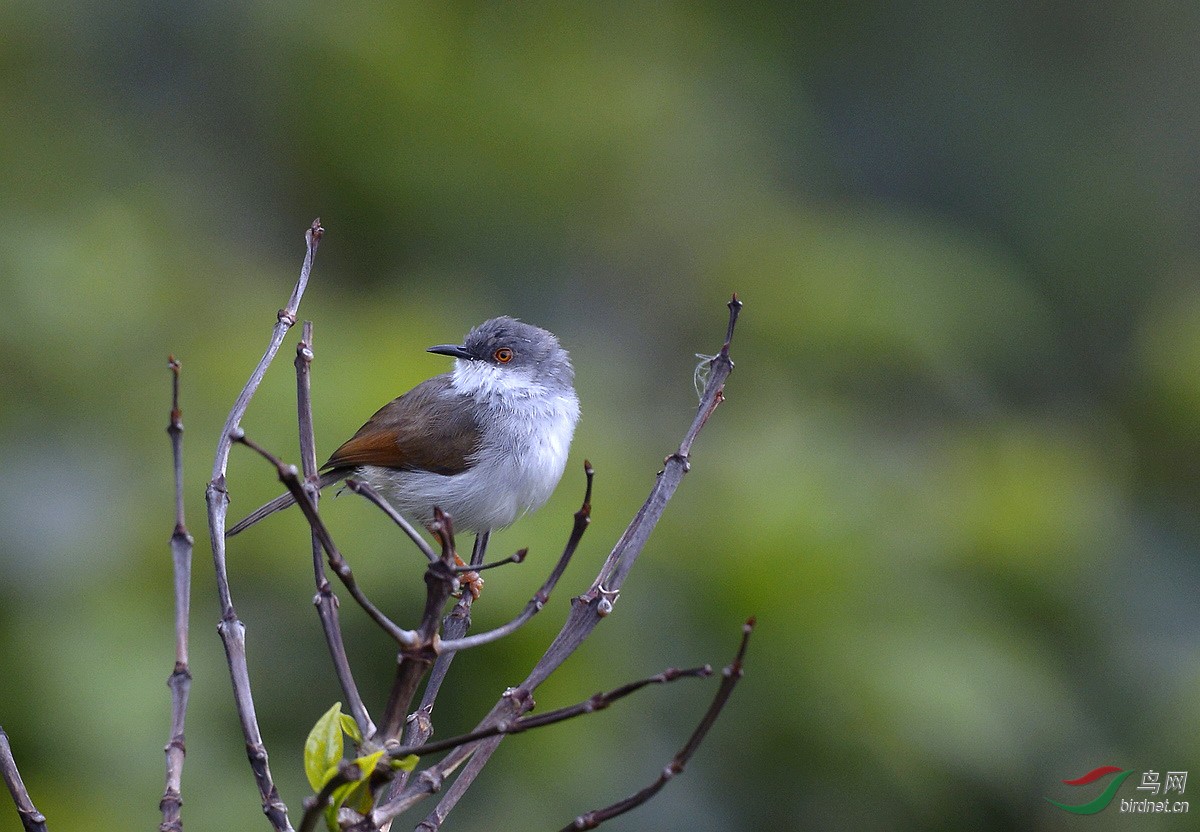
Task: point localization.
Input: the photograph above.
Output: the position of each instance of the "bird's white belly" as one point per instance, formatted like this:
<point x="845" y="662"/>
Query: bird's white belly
<point x="516" y="470"/>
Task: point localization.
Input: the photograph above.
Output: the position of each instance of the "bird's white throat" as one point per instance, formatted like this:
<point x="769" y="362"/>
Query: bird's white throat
<point x="489" y="383"/>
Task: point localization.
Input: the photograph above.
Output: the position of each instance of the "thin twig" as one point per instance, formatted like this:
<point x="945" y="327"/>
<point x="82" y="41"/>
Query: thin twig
<point x="180" y="680"/>
<point x="597" y="702"/>
<point x="231" y="629"/>
<point x="31" y="819"/>
<point x="285" y="320"/>
<point x="586" y="612"/>
<point x="364" y="488"/>
<point x="731" y="675"/>
<point x="516" y="557"/>
<point x="325" y="600"/>
<point x="290" y="477"/>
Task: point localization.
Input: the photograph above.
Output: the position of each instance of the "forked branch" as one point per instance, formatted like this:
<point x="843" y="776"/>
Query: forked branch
<point x="730" y="676"/>
<point x="231" y="629"/>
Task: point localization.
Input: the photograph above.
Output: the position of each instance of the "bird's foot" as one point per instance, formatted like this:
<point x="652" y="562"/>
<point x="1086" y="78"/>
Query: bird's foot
<point x="470" y="581"/>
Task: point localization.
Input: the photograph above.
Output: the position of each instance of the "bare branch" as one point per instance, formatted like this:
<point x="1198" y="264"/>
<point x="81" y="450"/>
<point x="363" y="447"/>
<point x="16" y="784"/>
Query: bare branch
<point x="597" y="702"/>
<point x="290" y="477"/>
<point x="231" y="629"/>
<point x="516" y="557"/>
<point x="731" y="675"/>
<point x="325" y="600"/>
<point x="620" y="561"/>
<point x="285" y="319"/>
<point x="175" y="431"/>
<point x="180" y="680"/>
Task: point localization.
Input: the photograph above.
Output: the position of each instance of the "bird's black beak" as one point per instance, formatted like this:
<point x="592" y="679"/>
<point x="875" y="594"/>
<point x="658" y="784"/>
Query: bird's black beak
<point x="450" y="349"/>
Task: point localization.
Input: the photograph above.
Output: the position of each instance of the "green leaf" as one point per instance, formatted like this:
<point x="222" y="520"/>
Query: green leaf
<point x="362" y="800"/>
<point x="357" y="793"/>
<point x="338" y="798"/>
<point x="359" y="797"/>
<point x="329" y="774"/>
<point x="350" y="727"/>
<point x="323" y="748"/>
<point x="406" y="763"/>
<point x="367" y="764"/>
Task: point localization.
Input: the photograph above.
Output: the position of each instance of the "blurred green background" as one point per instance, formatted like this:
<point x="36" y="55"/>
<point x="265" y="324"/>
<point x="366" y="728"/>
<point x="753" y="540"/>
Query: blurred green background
<point x="955" y="477"/>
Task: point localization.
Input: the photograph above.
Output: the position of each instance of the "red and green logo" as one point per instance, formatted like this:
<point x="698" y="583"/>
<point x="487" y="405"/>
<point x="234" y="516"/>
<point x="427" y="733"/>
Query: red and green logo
<point x="1105" y="797"/>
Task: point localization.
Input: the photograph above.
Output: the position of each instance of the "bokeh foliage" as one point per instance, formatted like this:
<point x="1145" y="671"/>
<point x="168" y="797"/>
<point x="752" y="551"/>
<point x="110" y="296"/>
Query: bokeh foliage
<point x="955" y="478"/>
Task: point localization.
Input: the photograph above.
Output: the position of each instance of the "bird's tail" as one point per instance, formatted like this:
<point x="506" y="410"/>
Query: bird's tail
<point x="283" y="501"/>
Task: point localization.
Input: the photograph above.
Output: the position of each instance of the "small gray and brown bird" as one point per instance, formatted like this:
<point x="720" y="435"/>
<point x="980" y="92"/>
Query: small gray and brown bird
<point x="485" y="442"/>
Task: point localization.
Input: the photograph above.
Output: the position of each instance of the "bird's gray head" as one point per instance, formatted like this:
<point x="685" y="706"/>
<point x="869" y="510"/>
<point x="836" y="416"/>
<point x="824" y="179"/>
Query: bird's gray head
<point x="505" y="348"/>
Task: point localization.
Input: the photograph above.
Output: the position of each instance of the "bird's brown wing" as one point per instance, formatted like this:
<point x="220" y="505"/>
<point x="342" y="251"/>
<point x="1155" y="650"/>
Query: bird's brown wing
<point x="428" y="429"/>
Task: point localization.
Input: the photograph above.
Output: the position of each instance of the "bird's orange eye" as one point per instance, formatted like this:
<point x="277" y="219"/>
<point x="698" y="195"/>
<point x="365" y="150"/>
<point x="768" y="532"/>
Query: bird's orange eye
<point x="503" y="355"/>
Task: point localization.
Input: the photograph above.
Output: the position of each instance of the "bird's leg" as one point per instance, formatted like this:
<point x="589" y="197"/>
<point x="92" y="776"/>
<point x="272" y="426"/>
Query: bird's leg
<point x="471" y="580"/>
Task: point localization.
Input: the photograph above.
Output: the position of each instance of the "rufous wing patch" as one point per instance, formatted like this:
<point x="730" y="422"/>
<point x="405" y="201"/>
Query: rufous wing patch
<point x="429" y="428"/>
